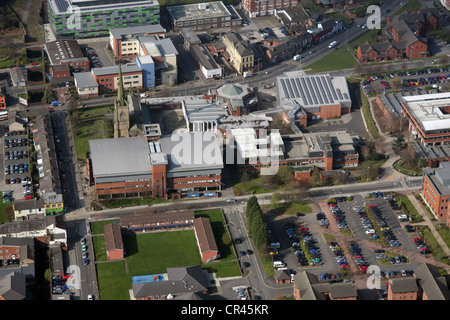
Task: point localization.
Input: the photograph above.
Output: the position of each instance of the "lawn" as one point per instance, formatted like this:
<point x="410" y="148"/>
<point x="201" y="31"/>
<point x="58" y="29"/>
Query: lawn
<point x="410" y="6"/>
<point x="98" y="227"/>
<point x="113" y="282"/>
<point x="340" y="58"/>
<point x="155" y="252"/>
<point x="99" y="248"/>
<point x="435" y="247"/>
<point x="254" y="186"/>
<point x="292" y="208"/>
<point x="6" y="212"/>
<point x="89" y="124"/>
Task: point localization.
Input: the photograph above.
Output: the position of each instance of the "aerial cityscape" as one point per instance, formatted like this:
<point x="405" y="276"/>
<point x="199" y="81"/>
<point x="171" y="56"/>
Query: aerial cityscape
<point x="257" y="150"/>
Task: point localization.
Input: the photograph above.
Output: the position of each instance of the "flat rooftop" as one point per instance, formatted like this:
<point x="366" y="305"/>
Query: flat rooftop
<point x="119" y="33"/>
<point x="118" y="157"/>
<point x="203" y="111"/>
<point x="115" y="70"/>
<point x="198" y="11"/>
<point x="426" y="109"/>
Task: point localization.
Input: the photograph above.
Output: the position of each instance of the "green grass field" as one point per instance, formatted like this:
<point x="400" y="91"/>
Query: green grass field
<point x="88" y="124"/>
<point x="113" y="281"/>
<point x="155" y="252"/>
<point x="340" y="58"/>
<point x="151" y="253"/>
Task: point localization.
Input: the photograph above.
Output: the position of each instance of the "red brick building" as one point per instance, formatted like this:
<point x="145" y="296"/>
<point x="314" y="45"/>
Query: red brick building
<point x="405" y="36"/>
<point x="436" y="192"/>
<point x="60" y="71"/>
<point x="308" y="287"/>
<point x="256" y="8"/>
<point x="108" y="78"/>
<point x="402" y="289"/>
<point x="124" y="42"/>
<point x="66" y="52"/>
<point x="428" y="116"/>
<point x="205" y="240"/>
<point x="136" y="167"/>
<point x="113" y="241"/>
<point x="166" y="221"/>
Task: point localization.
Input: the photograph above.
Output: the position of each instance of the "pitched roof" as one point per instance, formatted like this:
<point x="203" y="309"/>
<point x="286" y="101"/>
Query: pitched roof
<point x="13" y="286"/>
<point x="180" y="281"/>
<point x="431" y="282"/>
<point x="205" y="235"/>
<point x="402" y="285"/>
<point x="113" y="237"/>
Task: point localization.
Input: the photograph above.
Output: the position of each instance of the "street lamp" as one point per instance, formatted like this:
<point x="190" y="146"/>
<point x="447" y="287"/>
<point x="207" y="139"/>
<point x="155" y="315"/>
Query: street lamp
<point x="368" y="169"/>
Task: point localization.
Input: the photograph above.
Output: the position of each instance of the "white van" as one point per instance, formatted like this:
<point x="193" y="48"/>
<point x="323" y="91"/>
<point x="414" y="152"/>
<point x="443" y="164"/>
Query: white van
<point x="279" y="264"/>
<point x="332" y="44"/>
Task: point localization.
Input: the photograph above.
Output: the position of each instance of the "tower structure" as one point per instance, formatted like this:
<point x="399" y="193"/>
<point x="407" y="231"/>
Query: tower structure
<point x="121" y="111"/>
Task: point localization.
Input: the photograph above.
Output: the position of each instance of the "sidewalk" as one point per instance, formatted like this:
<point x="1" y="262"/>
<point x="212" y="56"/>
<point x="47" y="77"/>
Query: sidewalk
<point x="427" y="222"/>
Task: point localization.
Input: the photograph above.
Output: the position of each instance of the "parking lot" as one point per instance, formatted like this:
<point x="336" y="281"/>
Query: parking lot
<point x="380" y="236"/>
<point x="433" y="77"/>
<point x="15" y="179"/>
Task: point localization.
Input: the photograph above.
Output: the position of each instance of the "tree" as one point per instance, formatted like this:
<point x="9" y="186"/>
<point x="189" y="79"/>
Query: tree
<point x="315" y="177"/>
<point x="277" y="197"/>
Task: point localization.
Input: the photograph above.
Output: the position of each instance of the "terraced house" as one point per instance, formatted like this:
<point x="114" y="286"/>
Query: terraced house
<point x="405" y="37"/>
<point x="94" y="18"/>
<point x="238" y="52"/>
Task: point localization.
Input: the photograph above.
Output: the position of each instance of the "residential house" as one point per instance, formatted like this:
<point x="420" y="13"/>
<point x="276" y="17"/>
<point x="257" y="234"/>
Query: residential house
<point x="307" y="286"/>
<point x="23" y="209"/>
<point x="405" y="37"/>
<point x="13" y="286"/>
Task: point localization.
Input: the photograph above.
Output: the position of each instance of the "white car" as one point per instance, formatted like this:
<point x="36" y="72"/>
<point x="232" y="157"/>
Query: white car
<point x="231" y="200"/>
<point x="90" y="297"/>
<point x="370" y="231"/>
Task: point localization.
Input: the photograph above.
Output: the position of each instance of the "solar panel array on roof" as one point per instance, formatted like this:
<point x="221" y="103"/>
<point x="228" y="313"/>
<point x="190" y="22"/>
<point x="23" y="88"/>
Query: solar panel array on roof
<point x="62" y="5"/>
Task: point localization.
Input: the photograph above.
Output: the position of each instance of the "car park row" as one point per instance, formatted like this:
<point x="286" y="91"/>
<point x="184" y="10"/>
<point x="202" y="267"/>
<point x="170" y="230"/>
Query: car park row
<point x="16" y="163"/>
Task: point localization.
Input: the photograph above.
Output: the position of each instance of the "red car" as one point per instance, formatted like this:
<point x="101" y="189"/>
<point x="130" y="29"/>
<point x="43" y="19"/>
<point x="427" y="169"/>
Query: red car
<point x="33" y="64"/>
<point x="27" y="197"/>
<point x="416" y="239"/>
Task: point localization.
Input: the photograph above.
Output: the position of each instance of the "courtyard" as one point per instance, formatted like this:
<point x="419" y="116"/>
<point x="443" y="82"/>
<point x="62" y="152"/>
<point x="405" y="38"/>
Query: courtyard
<point x="153" y="253"/>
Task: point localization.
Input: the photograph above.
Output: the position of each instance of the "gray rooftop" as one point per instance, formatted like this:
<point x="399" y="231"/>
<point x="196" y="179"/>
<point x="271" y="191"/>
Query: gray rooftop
<point x="198" y="11"/>
<point x="125" y="158"/>
<point x="115" y="69"/>
<point x="117" y="157"/>
<point x="85" y="80"/>
<point x="118" y="33"/>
